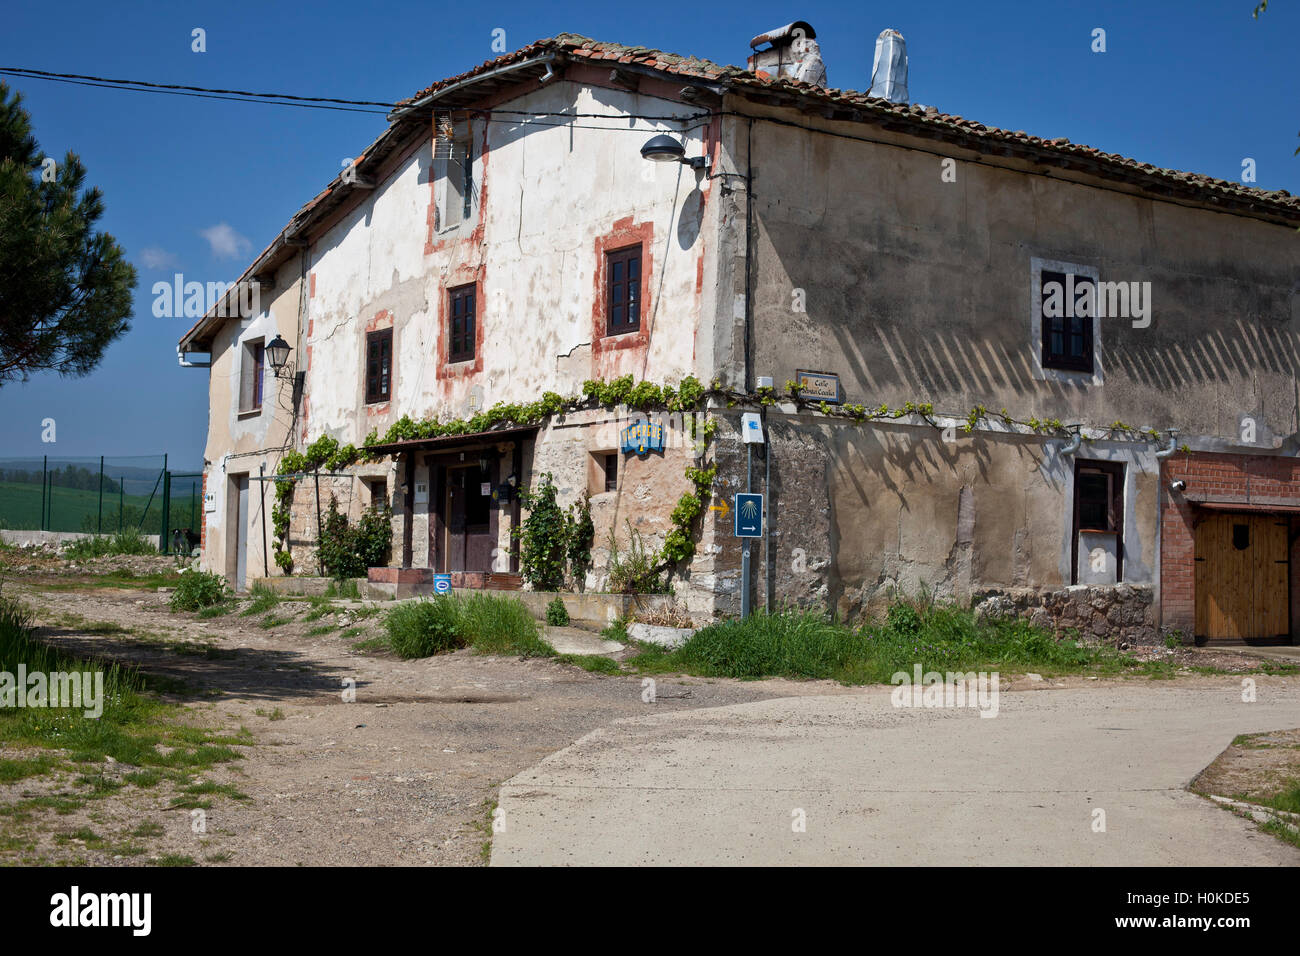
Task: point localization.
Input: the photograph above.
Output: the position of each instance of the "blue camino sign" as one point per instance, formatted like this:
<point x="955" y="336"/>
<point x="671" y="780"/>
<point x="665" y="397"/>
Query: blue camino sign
<point x="749" y="515"/>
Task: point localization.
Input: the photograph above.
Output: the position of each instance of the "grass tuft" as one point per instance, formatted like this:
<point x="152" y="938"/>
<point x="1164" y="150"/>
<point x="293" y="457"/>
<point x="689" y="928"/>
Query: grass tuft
<point x="489" y="623"/>
<point x="804" y="644"/>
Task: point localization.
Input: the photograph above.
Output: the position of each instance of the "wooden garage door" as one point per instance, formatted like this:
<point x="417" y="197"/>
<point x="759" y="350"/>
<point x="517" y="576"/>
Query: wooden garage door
<point x="1242" y="570"/>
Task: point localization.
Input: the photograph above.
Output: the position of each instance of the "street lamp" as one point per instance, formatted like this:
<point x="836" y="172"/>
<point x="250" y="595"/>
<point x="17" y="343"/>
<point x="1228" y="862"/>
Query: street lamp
<point x="277" y="352"/>
<point x="664" y="149"/>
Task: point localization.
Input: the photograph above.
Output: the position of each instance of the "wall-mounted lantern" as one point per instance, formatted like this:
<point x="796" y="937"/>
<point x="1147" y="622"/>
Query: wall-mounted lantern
<point x="664" y="149"/>
<point x="277" y="353"/>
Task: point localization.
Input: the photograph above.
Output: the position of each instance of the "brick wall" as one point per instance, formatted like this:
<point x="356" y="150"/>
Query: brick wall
<point x="1255" y="480"/>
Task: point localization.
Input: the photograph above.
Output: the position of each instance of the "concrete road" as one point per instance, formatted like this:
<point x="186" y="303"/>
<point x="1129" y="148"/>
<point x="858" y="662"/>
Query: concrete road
<point x="886" y="786"/>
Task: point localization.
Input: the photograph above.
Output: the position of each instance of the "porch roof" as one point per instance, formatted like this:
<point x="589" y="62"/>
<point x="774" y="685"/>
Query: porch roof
<point x="451" y="441"/>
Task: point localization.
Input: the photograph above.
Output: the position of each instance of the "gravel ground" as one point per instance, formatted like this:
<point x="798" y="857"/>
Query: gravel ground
<point x="404" y="775"/>
<point x="407" y="774"/>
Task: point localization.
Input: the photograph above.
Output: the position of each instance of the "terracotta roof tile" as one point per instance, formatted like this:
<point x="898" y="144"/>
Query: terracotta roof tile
<point x="581" y="47"/>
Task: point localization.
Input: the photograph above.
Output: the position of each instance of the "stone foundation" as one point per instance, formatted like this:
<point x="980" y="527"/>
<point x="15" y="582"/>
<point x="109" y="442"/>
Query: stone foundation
<point x="1118" y="614"/>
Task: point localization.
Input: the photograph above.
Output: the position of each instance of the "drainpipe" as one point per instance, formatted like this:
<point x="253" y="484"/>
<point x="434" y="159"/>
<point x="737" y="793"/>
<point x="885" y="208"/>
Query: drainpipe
<point x="186" y="363"/>
<point x="1074" y="444"/>
<point x="749" y="231"/>
<point x="769" y="567"/>
<point x="1173" y="444"/>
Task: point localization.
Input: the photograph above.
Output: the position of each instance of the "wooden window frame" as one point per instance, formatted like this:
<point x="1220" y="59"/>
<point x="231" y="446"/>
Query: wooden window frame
<point x="611" y="457"/>
<point x="1063" y="360"/>
<point x="466" y="335"/>
<point x="252" y="363"/>
<point x="1114" y="471"/>
<point x="623" y="256"/>
<point x="380" y="394"/>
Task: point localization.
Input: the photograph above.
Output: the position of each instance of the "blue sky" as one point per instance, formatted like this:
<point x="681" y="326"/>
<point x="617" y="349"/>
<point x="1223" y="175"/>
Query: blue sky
<point x="199" y="186"/>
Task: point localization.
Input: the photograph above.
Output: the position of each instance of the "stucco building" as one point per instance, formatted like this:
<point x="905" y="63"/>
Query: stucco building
<point x="1026" y="364"/>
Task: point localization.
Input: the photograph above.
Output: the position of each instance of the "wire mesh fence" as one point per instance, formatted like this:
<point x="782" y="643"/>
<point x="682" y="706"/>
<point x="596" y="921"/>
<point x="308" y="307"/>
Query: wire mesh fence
<point x="102" y="496"/>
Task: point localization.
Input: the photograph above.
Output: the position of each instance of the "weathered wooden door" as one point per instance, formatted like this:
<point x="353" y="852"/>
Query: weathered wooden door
<point x="469" y="521"/>
<point x="1242" y="575"/>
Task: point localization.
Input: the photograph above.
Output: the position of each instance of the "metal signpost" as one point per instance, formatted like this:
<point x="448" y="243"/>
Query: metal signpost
<point x="749" y="525"/>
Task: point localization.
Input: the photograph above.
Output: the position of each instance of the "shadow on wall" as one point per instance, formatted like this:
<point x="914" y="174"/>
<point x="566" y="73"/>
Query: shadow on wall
<point x="910" y="324"/>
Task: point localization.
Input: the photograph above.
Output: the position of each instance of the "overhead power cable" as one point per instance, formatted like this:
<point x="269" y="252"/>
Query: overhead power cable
<point x="45" y="74"/>
<point x="290" y="99"/>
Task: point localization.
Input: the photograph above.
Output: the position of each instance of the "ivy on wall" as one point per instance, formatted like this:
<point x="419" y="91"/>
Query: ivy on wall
<point x="688" y="396"/>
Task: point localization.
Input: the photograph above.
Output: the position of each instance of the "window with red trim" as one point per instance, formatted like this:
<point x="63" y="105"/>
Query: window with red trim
<point x="460" y="328"/>
<point x="623" y="290"/>
<point x="379" y="366"/>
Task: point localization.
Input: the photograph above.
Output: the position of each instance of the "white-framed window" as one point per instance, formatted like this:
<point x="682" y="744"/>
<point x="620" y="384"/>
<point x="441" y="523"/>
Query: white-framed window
<point x="1065" y="322"/>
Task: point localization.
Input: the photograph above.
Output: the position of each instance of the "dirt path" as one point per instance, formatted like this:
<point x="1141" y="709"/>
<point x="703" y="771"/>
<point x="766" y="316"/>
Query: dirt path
<point x="407" y="773"/>
<point x="404" y="775"/>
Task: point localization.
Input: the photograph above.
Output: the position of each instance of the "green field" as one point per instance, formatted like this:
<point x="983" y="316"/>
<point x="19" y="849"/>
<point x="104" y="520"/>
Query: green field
<point x="72" y="509"/>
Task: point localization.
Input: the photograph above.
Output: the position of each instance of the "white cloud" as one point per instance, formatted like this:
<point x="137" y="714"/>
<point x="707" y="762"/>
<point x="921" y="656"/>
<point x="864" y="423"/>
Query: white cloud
<point x="153" y="257"/>
<point x="225" y="242"/>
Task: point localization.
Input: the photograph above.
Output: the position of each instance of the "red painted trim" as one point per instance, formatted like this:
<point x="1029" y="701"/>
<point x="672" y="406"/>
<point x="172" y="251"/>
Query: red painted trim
<point x="382" y="320"/>
<point x="611" y="353"/>
<point x="444" y="370"/>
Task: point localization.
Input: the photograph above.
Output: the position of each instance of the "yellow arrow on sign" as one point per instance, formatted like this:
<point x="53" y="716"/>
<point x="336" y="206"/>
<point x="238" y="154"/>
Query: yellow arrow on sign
<point x="724" y="507"/>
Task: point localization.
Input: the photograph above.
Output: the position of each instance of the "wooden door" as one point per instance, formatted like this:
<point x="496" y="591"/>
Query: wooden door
<point x="1242" y="575"/>
<point x="470" y="533"/>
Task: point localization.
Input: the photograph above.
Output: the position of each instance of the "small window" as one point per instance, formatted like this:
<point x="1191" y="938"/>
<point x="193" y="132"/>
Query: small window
<point x="1067" y="334"/>
<point x="251" y="374"/>
<point x="602" y="472"/>
<point x="1241" y="536"/>
<point x="1095" y="493"/>
<point x="460" y="330"/>
<point x="623" y="289"/>
<point x="1099" y="508"/>
<point x="378" y="493"/>
<point x="379" y="366"/>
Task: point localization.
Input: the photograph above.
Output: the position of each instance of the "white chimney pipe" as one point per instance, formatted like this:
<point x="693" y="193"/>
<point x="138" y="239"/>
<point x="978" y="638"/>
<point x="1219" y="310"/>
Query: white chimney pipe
<point x="889" y="69"/>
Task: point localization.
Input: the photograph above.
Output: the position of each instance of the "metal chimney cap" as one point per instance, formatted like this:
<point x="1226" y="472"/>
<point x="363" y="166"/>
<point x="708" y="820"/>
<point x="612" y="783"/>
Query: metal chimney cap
<point x="782" y="33"/>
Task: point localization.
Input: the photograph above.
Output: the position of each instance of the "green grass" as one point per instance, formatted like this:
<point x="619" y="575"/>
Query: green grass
<point x="941" y="638"/>
<point x="274" y="620"/>
<point x="616" y="630"/>
<point x="343" y="588"/>
<point x="216" y="610"/>
<point x="115" y="579"/>
<point x="75" y="509"/>
<point x="129" y="541"/>
<point x="489" y="623"/>
<point x="196" y="590"/>
<point x="1281" y="831"/>
<point x="263" y="600"/>
<point x="12" y="771"/>
<point x="320" y="629"/>
<point x="1288" y="798"/>
<point x="139" y="731"/>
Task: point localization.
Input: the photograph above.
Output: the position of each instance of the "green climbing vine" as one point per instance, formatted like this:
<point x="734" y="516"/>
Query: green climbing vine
<point x="689" y="395"/>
